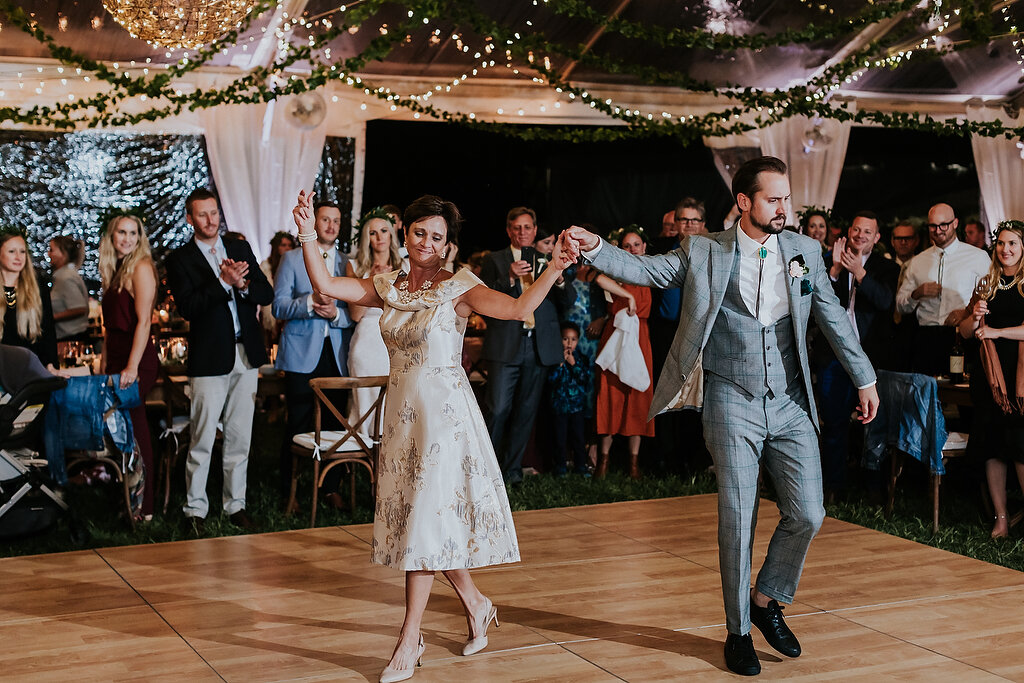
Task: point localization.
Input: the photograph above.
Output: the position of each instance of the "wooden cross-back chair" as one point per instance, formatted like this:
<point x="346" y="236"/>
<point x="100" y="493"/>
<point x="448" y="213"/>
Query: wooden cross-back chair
<point x="355" y="444"/>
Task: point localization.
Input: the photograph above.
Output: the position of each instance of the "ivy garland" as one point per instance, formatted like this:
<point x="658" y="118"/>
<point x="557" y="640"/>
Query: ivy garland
<point x="754" y="108"/>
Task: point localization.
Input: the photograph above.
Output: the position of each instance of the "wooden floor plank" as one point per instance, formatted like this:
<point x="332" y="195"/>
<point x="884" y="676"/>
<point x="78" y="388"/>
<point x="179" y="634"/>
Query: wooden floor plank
<point x="627" y="591"/>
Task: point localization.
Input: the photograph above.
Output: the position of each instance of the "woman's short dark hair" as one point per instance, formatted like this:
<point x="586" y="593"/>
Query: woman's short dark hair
<point x="747" y="179"/>
<point x="428" y="206"/>
<point x="542" y="234"/>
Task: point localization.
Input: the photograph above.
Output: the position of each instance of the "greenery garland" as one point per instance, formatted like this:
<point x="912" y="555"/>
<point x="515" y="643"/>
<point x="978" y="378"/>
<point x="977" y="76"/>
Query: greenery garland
<point x="754" y="108"/>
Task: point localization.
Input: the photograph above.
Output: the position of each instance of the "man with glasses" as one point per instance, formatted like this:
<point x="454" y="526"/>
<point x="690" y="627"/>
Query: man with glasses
<point x="905" y="242"/>
<point x="937" y="287"/>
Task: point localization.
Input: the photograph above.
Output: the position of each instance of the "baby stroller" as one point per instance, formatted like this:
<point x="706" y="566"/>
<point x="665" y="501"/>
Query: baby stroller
<point x="28" y="500"/>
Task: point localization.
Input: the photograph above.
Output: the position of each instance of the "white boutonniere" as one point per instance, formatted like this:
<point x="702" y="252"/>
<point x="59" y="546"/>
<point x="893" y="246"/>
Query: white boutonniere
<point x="541" y="262"/>
<point x="797" y="267"/>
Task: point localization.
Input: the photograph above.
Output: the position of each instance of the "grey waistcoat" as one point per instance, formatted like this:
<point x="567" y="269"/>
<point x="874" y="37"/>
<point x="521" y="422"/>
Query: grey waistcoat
<point x="762" y="360"/>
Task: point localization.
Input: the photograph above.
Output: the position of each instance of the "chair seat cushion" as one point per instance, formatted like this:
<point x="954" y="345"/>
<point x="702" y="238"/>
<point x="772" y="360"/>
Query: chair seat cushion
<point x="328" y="438"/>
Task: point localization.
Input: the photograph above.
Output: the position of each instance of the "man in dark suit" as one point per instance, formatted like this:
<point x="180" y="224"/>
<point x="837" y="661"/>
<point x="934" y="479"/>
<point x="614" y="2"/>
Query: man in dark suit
<point x="217" y="285"/>
<point x="866" y="284"/>
<point x="315" y="339"/>
<point x="518" y="354"/>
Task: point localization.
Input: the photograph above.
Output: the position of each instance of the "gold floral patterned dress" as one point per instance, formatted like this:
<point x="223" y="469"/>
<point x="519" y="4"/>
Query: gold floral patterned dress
<point x="441" y="500"/>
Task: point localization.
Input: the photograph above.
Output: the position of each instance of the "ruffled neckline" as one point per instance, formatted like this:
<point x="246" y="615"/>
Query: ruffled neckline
<point x="446" y="290"/>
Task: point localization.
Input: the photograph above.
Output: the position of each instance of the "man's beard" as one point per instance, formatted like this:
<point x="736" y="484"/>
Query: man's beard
<point x="772" y="227"/>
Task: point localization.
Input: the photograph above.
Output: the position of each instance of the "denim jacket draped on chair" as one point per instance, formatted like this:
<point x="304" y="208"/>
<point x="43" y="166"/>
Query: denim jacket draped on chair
<point x="909" y="419"/>
<point x="78" y="415"/>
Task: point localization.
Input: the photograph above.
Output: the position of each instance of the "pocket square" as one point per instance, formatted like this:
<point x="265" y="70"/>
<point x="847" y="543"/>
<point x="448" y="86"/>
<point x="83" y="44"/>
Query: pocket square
<point x="806" y="287"/>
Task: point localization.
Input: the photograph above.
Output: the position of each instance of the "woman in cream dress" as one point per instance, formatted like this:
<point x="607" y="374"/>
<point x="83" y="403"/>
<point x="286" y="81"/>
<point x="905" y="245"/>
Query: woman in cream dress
<point x="441" y="501"/>
<point x="367" y="355"/>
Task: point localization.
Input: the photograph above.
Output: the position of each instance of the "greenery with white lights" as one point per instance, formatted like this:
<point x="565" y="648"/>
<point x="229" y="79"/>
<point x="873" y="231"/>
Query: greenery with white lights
<point x="745" y="108"/>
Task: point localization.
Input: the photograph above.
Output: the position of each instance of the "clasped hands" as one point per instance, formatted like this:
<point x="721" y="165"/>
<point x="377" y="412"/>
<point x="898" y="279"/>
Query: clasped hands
<point x="846" y="259"/>
<point x="233" y="273"/>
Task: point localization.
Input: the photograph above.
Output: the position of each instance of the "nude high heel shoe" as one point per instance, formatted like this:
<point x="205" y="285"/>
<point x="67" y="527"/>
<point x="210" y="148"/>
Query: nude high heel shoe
<point x="482" y="619"/>
<point x="393" y="675"/>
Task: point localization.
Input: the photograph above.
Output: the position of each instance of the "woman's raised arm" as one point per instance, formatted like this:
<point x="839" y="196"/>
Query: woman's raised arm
<point x="492" y="304"/>
<point x="349" y="289"/>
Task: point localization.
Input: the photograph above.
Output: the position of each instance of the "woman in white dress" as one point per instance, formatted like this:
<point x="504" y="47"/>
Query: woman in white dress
<point x="441" y="502"/>
<point x="367" y="356"/>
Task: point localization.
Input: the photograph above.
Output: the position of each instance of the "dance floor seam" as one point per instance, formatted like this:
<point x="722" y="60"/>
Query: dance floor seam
<point x="616" y="592"/>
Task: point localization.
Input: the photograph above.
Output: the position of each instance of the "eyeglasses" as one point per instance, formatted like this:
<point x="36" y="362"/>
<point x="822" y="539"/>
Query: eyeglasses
<point x="690" y="221"/>
<point x="941" y="226"/>
<point x="908" y="238"/>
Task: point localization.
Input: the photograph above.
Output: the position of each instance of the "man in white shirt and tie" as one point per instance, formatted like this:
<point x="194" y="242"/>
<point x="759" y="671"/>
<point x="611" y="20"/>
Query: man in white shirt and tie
<point x="315" y="338"/>
<point x="937" y="288"/>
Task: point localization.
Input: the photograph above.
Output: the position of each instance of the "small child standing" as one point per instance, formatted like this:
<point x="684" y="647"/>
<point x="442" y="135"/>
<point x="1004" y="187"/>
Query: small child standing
<point x="568" y="384"/>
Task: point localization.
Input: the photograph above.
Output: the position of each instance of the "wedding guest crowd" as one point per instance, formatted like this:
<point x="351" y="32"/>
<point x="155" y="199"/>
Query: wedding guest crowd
<point x="905" y="305"/>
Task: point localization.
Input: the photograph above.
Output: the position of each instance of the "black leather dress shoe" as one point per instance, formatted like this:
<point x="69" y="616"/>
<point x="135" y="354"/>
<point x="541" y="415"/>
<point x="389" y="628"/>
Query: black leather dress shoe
<point x="195" y="526"/>
<point x="240" y="519"/>
<point x="770" y="623"/>
<point x="740" y="656"/>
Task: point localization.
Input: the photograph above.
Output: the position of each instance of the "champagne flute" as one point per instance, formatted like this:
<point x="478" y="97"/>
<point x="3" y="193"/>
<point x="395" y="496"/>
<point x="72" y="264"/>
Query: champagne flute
<point x="981" y="288"/>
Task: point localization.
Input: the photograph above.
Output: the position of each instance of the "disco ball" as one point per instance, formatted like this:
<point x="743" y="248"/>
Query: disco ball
<point x="820" y="135"/>
<point x="306" y="111"/>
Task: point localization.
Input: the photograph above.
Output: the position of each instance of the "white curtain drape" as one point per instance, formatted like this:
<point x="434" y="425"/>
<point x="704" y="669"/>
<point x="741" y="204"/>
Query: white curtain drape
<point x="260" y="161"/>
<point x="1000" y="168"/>
<point x="814" y="171"/>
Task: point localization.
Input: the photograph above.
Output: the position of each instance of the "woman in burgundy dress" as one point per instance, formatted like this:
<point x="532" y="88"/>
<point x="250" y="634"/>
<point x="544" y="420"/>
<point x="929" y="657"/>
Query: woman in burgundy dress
<point x="129" y="290"/>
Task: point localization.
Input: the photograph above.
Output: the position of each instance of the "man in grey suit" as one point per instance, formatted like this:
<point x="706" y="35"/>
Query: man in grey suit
<point x="747" y="295"/>
<point x="518" y="354"/>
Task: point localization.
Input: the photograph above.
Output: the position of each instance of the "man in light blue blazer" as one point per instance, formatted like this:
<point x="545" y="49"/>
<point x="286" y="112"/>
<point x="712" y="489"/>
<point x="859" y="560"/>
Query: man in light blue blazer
<point x="315" y="338"/>
<point x="747" y="295"/>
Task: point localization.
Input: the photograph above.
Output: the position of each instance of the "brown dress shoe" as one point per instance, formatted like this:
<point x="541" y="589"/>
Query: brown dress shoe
<point x="240" y="519"/>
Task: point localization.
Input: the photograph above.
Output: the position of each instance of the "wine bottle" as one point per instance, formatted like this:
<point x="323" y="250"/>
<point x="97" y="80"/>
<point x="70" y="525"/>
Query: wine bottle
<point x="956" y="361"/>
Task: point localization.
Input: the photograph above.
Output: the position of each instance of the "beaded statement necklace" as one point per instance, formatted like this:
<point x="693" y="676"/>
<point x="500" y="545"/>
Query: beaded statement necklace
<point x="405" y="296"/>
<point x="1002" y="287"/>
<point x="11" y="296"/>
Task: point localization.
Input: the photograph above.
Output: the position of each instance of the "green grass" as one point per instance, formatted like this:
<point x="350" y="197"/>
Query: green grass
<point x="965" y="527"/>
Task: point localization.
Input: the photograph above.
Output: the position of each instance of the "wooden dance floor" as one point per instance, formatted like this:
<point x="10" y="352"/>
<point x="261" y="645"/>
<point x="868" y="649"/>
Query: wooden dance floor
<point x="627" y="591"/>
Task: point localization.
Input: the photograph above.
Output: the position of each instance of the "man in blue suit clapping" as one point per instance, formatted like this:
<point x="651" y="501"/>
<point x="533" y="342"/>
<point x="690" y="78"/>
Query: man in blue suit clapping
<point x="314" y="342"/>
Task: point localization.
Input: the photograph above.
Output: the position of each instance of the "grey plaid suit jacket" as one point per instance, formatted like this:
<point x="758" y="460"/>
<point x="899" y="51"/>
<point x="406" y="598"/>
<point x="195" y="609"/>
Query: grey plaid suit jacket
<point x="701" y="267"/>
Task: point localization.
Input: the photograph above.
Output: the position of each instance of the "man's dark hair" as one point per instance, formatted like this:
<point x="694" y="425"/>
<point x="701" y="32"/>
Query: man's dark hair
<point x="690" y="203"/>
<point x="865" y="213"/>
<point x="569" y="325"/>
<point x="520" y="211"/>
<point x="747" y="179"/>
<point x="429" y="205"/>
<point x="325" y="205"/>
<point x="197" y="195"/>
<point x="391" y="208"/>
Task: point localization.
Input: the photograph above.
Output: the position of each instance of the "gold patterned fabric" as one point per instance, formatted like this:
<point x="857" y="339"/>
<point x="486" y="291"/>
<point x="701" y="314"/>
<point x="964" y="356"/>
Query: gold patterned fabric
<point x="441" y="500"/>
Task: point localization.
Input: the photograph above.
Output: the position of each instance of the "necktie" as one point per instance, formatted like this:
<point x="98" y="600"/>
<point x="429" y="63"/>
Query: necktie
<point x="942" y="263"/>
<point x="762" y="254"/>
<point x="525" y="282"/>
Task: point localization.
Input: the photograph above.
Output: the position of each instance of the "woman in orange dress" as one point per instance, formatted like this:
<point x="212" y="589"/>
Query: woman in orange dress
<point x="622" y="409"/>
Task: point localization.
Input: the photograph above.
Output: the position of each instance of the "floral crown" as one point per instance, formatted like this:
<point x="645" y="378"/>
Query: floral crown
<point x="375" y="212"/>
<point x="119" y="212"/>
<point x="1016" y="226"/>
<point x="805" y="215"/>
<point x="13" y="231"/>
<point x="617" y="235"/>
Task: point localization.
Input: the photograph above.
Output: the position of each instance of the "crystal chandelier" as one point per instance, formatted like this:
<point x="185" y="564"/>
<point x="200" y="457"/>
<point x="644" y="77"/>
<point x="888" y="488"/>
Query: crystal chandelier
<point x="178" y="23"/>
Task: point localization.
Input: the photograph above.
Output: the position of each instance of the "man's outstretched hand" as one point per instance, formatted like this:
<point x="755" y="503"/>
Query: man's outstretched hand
<point x="867" y="404"/>
<point x="577" y="239"/>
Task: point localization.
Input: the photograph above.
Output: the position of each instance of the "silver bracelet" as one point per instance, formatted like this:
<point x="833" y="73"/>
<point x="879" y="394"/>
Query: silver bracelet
<point x="306" y="236"/>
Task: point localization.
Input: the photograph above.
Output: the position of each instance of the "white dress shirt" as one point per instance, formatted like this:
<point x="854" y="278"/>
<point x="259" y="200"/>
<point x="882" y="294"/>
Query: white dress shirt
<point x="216" y="254"/>
<point x="772" y="276"/>
<point x="962" y="265"/>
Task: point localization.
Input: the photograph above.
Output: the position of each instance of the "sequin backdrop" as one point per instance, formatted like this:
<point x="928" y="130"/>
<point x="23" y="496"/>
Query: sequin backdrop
<point x="52" y="184"/>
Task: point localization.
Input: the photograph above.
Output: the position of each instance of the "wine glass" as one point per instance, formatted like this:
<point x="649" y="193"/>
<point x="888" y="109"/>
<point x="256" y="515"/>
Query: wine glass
<point x="981" y="288"/>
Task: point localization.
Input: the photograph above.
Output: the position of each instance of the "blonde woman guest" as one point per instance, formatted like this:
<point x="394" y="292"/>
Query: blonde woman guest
<point x="998" y="314"/>
<point x="367" y="355"/>
<point x="68" y="294"/>
<point x="280" y="244"/>
<point x="28" y="318"/>
<point x="129" y="290"/>
<point x="441" y="502"/>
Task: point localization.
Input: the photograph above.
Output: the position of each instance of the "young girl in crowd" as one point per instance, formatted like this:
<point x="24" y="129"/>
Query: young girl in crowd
<point x="569" y="383"/>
